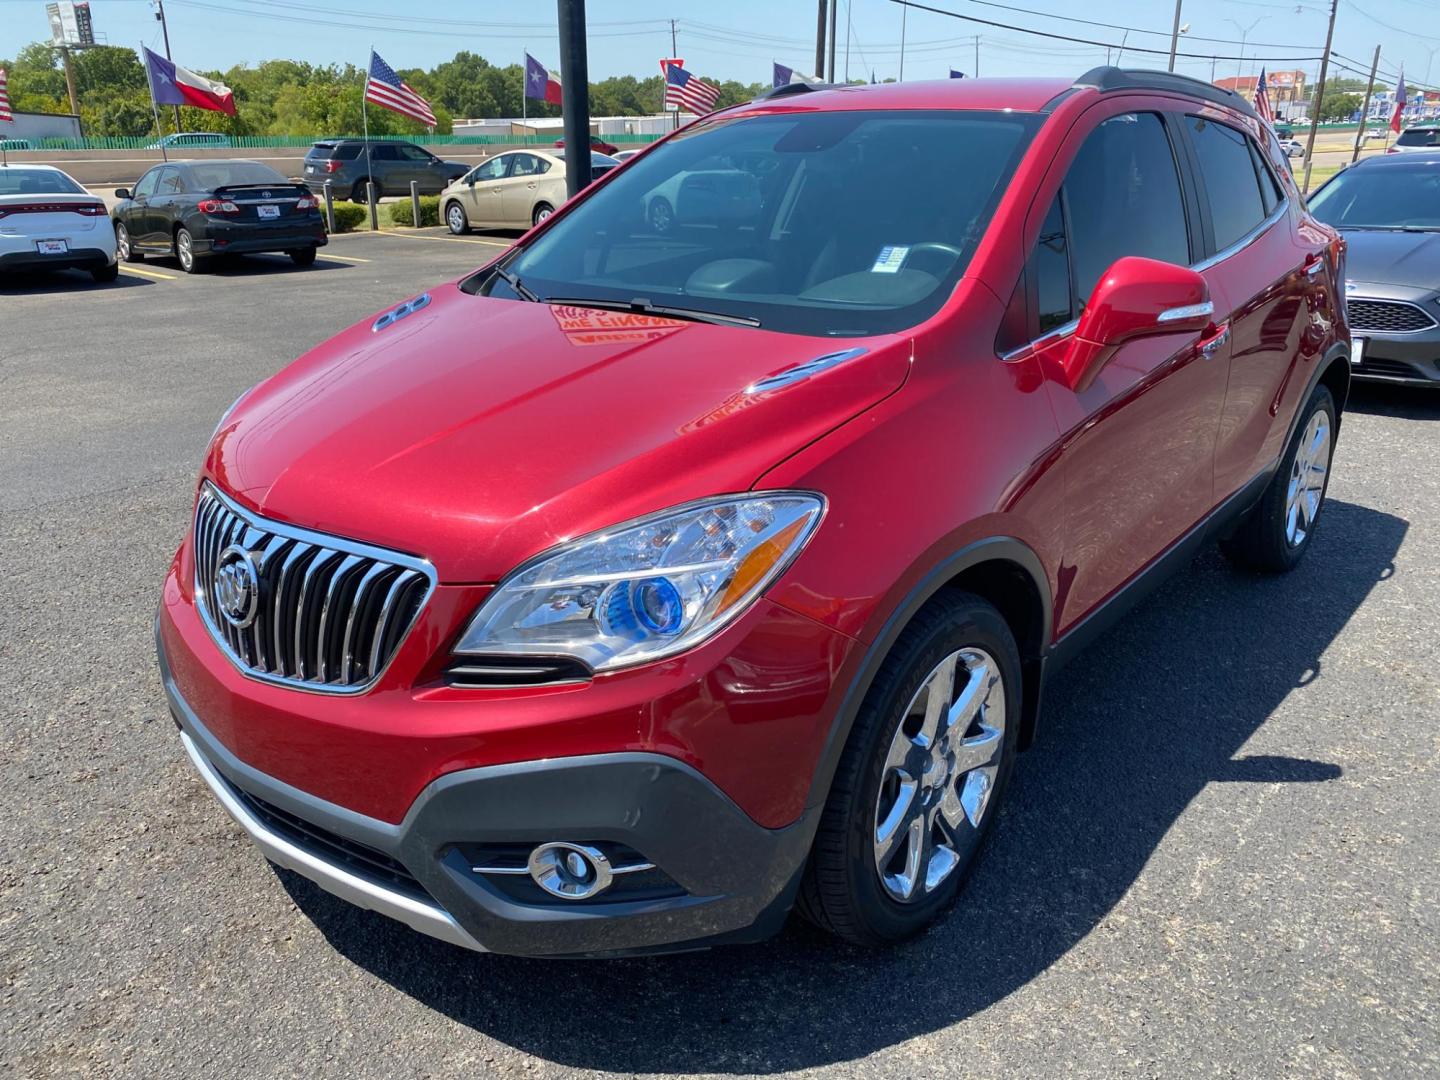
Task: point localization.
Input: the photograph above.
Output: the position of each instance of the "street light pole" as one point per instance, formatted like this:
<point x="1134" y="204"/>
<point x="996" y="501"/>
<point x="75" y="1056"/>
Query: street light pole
<point x="165" y="33"/>
<point x="1244" y="33"/>
<point x="574" y="94"/>
<point x="1175" y="35"/>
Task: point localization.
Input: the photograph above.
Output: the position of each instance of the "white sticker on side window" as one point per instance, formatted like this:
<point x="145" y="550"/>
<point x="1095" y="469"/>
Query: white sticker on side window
<point x="890" y="259"/>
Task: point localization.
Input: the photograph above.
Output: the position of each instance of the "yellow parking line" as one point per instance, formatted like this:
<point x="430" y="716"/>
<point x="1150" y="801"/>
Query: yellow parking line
<point x="147" y="273"/>
<point x="448" y="239"/>
<point x="342" y="258"/>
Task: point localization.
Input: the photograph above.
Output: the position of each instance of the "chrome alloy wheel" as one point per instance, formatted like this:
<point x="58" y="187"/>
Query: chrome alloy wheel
<point x="455" y="218"/>
<point x="122" y="242"/>
<point x="183" y="250"/>
<point x="939" y="773"/>
<point x="1307" y="479"/>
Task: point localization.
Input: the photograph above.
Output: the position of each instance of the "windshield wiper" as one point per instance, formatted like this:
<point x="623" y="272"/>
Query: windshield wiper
<point x="642" y="306"/>
<point x="516" y="284"/>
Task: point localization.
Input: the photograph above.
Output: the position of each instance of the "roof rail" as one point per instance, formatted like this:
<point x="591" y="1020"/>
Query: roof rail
<point x="1106" y="78"/>
<point x="786" y="89"/>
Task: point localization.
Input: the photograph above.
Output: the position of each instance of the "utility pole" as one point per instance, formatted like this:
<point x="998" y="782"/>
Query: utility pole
<point x="674" y="51"/>
<point x="977" y="56"/>
<point x="820" y="41"/>
<point x="574" y="94"/>
<point x="1174" y="35"/>
<point x="1365" y="109"/>
<point x="834" y="16"/>
<point x="165" y="33"/>
<point x="847" y="42"/>
<point x="1319" y="97"/>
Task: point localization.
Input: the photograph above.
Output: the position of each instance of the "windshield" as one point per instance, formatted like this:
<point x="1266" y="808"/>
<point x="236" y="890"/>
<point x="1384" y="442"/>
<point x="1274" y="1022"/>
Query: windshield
<point x="15" y="181"/>
<point x="1388" y="196"/>
<point x="838" y="223"/>
<point x="1419" y="137"/>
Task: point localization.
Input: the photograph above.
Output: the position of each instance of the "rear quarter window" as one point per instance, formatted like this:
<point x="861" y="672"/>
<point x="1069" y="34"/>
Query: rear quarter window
<point x="1227" y="164"/>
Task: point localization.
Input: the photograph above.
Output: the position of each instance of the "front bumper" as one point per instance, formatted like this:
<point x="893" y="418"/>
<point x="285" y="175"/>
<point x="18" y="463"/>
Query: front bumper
<point x="1407" y="358"/>
<point x="724" y="878"/>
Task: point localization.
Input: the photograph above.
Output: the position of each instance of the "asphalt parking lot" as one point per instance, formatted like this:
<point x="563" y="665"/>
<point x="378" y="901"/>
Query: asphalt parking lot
<point x="1222" y="858"/>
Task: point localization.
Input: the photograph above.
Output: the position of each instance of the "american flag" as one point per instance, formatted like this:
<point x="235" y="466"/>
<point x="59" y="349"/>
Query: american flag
<point x="685" y="90"/>
<point x="388" y="90"/>
<point x="5" y="113"/>
<point x="1262" y="100"/>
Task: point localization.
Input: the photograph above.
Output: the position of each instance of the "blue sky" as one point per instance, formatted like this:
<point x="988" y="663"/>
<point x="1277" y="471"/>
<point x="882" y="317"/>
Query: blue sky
<point x="739" y="38"/>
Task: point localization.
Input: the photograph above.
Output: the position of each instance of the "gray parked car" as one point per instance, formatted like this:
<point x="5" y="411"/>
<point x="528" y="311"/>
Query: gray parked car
<point x="1388" y="208"/>
<point x="392" y="165"/>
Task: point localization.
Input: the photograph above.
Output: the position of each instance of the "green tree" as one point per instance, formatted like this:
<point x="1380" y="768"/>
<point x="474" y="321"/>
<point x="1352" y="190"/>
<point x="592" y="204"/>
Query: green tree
<point x="1337" y="106"/>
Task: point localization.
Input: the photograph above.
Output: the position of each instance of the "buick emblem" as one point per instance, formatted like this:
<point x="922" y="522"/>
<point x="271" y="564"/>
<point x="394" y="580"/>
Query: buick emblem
<point x="237" y="587"/>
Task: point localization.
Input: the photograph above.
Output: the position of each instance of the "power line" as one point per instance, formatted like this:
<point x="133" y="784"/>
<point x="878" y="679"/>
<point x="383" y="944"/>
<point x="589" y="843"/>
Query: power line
<point x="1098" y="44"/>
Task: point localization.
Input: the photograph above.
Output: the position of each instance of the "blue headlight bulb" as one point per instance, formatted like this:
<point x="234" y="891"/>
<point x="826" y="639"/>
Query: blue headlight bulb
<point x="657" y="604"/>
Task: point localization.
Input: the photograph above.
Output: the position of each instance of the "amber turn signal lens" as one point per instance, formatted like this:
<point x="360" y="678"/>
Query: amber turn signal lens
<point x="758" y="563"/>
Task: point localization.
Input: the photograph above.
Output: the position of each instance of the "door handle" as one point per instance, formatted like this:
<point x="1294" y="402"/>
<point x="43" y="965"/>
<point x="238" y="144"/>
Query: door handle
<point x="1210" y="347"/>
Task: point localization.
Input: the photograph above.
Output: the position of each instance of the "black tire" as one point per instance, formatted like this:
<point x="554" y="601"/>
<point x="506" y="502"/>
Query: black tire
<point x="455" y="219"/>
<point x="357" y="193"/>
<point x="541" y="212"/>
<point x="190" y="262"/>
<point x="1265" y="540"/>
<point x="842" y="891"/>
<point x="124" y="247"/>
<point x="106" y="274"/>
<point x="660" y="214"/>
<point x="303" y="256"/>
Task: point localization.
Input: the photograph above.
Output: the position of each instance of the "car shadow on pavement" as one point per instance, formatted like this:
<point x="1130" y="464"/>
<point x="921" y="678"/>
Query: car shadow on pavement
<point x="63" y="281"/>
<point x="1402" y="402"/>
<point x="1134" y="729"/>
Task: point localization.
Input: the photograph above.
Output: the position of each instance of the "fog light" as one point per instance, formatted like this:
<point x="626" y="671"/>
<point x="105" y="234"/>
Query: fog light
<point x="570" y="871"/>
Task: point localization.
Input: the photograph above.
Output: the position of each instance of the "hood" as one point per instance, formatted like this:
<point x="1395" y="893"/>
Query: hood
<point x="477" y="432"/>
<point x="1393" y="258"/>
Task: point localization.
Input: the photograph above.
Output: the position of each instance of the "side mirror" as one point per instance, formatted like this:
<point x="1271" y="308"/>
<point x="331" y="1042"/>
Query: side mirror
<point x="122" y="193"/>
<point x="1135" y="298"/>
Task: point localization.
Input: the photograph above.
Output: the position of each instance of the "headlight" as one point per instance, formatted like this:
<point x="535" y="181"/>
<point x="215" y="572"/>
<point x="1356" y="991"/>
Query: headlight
<point x="648" y="588"/>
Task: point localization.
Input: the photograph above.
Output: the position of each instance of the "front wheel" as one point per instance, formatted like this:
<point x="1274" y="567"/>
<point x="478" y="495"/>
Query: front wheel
<point x="1274" y="536"/>
<point x="661" y="215"/>
<point x="455" y="219"/>
<point x="542" y="212"/>
<point x="921" y="777"/>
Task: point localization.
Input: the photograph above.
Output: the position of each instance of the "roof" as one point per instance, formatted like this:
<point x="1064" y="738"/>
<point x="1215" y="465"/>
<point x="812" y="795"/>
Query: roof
<point x="1024" y="95"/>
<point x="29" y="165"/>
<point x="1410" y="157"/>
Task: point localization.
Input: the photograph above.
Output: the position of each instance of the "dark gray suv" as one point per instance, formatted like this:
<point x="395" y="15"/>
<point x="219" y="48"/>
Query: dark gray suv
<point x="392" y="165"/>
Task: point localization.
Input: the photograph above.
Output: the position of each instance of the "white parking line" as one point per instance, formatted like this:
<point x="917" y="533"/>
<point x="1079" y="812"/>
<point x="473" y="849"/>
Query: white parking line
<point x="343" y="258"/>
<point x="445" y="239"/>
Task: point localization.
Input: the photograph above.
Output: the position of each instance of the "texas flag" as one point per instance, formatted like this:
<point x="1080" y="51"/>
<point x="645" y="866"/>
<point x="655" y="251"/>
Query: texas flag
<point x="541" y="85"/>
<point x="784" y="76"/>
<point x="171" y="84"/>
<point x="1398" y="116"/>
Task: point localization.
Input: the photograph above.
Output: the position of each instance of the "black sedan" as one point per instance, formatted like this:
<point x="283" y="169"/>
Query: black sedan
<point x="196" y="210"/>
<point x="1388" y="208"/>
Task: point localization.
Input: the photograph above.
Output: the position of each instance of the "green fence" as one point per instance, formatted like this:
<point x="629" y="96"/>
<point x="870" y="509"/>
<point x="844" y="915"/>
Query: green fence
<point x="247" y="142"/>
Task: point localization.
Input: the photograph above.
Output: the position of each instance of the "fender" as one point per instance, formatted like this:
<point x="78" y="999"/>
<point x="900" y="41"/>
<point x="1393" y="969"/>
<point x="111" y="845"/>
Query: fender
<point x="991" y="549"/>
<point x="1338" y="353"/>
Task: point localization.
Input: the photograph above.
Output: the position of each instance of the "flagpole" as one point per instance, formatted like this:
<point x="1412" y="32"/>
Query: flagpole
<point x="365" y="121"/>
<point x="154" y="109"/>
<point x="524" y="96"/>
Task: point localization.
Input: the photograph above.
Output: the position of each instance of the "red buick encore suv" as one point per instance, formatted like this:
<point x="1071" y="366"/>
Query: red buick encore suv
<point x="649" y="582"/>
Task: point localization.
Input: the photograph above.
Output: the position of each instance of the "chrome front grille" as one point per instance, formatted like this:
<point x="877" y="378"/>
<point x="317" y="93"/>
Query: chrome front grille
<point x="1386" y="317"/>
<point x="291" y="606"/>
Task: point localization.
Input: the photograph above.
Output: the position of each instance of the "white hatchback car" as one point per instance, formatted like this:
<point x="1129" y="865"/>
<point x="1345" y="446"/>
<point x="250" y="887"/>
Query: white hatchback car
<point x="49" y="222"/>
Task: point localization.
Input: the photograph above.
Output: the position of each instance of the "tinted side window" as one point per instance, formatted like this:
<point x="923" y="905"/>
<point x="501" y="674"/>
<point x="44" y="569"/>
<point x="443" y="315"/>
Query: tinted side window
<point x="1270" y="195"/>
<point x="171" y="182"/>
<point x="1123" y="198"/>
<point x="414" y="153"/>
<point x="525" y="165"/>
<point x="493" y="169"/>
<point x="1231" y="185"/>
<point x="146" y="185"/>
<point x="383" y="152"/>
<point x="348" y="152"/>
<point x="1050" y="264"/>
